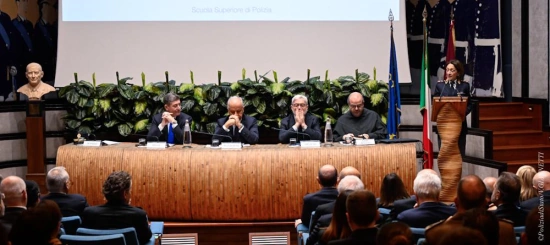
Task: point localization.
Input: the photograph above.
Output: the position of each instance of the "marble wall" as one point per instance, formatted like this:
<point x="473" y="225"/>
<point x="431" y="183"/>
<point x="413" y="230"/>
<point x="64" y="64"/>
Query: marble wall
<point x="538" y="49"/>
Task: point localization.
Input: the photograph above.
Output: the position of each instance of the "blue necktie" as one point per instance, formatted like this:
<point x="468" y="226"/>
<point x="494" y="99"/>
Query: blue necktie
<point x="170" y="139"/>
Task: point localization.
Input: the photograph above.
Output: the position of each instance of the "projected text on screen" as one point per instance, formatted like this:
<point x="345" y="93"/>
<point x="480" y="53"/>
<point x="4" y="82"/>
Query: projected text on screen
<point x="238" y="10"/>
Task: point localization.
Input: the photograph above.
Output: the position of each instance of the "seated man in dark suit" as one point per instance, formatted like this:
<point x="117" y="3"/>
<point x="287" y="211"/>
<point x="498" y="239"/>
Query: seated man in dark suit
<point x="14" y="190"/>
<point x="426" y="187"/>
<point x="117" y="212"/>
<point x="300" y="122"/>
<point x="239" y="127"/>
<point x="362" y="213"/>
<point x="405" y="204"/>
<point x="327" y="178"/>
<point x="505" y="196"/>
<point x="57" y="182"/>
<point x="172" y="117"/>
<point x="541" y="182"/>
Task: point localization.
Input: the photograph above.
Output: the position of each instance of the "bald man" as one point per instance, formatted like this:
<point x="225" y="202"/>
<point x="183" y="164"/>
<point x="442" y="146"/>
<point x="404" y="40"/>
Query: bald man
<point x="359" y="121"/>
<point x="237" y="126"/>
<point x="15" y="201"/>
<point x="541" y="183"/>
<point x="327" y="177"/>
<point x="35" y="89"/>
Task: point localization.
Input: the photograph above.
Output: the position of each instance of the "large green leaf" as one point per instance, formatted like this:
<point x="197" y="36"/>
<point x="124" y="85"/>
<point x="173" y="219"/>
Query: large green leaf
<point x="277" y="88"/>
<point x="261" y="107"/>
<point x="235" y="86"/>
<point x="256" y="101"/>
<point x="82" y="101"/>
<point x="105" y="104"/>
<point x="376" y="99"/>
<point x="209" y="108"/>
<point x="73" y="124"/>
<point x="251" y="91"/>
<point x="84" y="130"/>
<point x="124" y="109"/>
<point x="88" y="119"/>
<point x="186" y="105"/>
<point x="140" y="106"/>
<point x="126" y="91"/>
<point x="63" y="91"/>
<point x="84" y="91"/>
<point x="73" y="97"/>
<point x="152" y="89"/>
<point x="141" y="125"/>
<point x="111" y="123"/>
<point x="197" y="94"/>
<point x="213" y="93"/>
<point x="186" y="87"/>
<point x="124" y="129"/>
<point x="80" y="114"/>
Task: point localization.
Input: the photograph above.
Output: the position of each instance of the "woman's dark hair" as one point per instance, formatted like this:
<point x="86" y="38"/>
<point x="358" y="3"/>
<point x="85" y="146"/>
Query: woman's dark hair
<point x="459" y="68"/>
<point x="116" y="185"/>
<point x="395" y="233"/>
<point x="392" y="189"/>
<point x="338" y="227"/>
<point x="38" y="225"/>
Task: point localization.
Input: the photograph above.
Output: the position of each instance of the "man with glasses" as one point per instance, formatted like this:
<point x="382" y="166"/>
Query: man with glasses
<point x="300" y="124"/>
<point x="359" y="122"/>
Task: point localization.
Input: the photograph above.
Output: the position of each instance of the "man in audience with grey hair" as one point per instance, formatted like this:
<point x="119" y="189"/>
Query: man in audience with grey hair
<point x="506" y="197"/>
<point x="426" y="188"/>
<point x="300" y="124"/>
<point x="15" y="199"/>
<point x="58" y="184"/>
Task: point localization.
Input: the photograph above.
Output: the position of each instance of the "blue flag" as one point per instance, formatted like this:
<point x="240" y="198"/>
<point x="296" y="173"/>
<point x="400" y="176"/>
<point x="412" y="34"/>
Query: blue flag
<point x="394" y="110"/>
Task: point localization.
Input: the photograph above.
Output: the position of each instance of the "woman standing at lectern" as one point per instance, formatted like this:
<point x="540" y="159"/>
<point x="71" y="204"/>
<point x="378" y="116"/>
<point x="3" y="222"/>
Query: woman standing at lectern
<point x="453" y="85"/>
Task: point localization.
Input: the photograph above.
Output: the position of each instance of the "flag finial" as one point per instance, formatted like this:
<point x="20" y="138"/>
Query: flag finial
<point x="390" y="18"/>
<point x="424" y="14"/>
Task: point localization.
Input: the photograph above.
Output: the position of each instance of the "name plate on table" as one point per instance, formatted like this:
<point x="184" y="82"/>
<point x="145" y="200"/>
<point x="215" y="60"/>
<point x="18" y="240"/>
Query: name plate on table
<point x="310" y="144"/>
<point x="92" y="143"/>
<point x="364" y="142"/>
<point x="231" y="145"/>
<point x="156" y="145"/>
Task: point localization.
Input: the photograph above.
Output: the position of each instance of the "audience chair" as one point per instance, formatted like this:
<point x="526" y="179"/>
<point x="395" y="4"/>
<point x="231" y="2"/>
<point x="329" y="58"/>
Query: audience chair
<point x="157" y="228"/>
<point x="303" y="231"/>
<point x="117" y="239"/>
<point x="70" y="224"/>
<point x="418" y="233"/>
<point x="130" y="235"/>
<point x="384" y="213"/>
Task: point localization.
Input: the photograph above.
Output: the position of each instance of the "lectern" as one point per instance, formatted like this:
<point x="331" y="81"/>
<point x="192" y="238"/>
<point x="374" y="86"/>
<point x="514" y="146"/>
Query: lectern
<point x="36" y="142"/>
<point x="449" y="112"/>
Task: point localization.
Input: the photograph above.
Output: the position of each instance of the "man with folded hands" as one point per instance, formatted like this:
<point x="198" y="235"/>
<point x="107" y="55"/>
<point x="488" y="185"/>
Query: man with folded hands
<point x="171" y="117"/>
<point x="237" y="126"/>
<point x="300" y="124"/>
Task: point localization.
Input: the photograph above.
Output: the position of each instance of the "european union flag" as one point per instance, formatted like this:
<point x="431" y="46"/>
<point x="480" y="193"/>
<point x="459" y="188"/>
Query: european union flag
<point x="394" y="110"/>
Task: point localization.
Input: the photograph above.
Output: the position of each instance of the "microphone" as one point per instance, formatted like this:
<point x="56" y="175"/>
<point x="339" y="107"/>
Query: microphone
<point x="148" y="136"/>
<point x="286" y="130"/>
<point x="218" y="135"/>
<point x="441" y="94"/>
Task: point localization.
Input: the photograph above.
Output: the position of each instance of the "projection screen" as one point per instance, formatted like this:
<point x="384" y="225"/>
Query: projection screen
<point x="207" y="36"/>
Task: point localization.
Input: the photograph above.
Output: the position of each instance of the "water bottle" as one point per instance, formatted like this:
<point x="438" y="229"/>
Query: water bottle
<point x="328" y="133"/>
<point x="186" y="135"/>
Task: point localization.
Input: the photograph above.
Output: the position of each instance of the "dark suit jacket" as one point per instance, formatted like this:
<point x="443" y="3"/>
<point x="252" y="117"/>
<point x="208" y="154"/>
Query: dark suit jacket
<point x="287" y="132"/>
<point x="402" y="205"/>
<point x="358" y="237"/>
<point x="312" y="200"/>
<point x="162" y="136"/>
<point x="322" y="210"/>
<point x="426" y="214"/>
<point x="7" y="55"/>
<point x="512" y="213"/>
<point x="10" y="216"/>
<point x="117" y="216"/>
<point x="70" y="204"/>
<point x="534" y="202"/>
<point x="318" y="228"/>
<point x="249" y="134"/>
<point x="45" y="49"/>
<point x="23" y="51"/>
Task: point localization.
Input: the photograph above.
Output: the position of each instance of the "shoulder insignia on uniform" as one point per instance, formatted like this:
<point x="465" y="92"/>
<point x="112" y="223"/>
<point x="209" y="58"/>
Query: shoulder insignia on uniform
<point x="435" y="224"/>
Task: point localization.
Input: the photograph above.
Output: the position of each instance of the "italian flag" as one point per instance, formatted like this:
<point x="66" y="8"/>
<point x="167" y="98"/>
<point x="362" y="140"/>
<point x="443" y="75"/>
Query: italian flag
<point x="426" y="106"/>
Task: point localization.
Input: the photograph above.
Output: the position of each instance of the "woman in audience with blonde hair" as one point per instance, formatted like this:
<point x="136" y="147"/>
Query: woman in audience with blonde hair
<point x="526" y="174"/>
<point x="391" y="190"/>
<point x="339" y="227"/>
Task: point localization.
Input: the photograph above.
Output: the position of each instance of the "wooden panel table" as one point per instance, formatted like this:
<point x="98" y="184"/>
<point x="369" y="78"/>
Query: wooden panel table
<point x="257" y="183"/>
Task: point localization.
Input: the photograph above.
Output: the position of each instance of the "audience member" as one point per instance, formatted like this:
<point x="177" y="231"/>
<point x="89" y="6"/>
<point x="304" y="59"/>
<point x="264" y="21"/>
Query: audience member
<point x="39" y="225"/>
<point x="490" y="185"/>
<point x="457" y="235"/>
<point x="359" y="121"/>
<point x="482" y="220"/>
<point x="541" y="183"/>
<point x="327" y="177"/>
<point x="15" y="201"/>
<point x="506" y="196"/>
<point x="58" y="184"/>
<point x="339" y="227"/>
<point x="407" y="203"/>
<point x="348" y="183"/>
<point x="300" y="122"/>
<point x="117" y="212"/>
<point x="537" y="230"/>
<point x="392" y="189"/>
<point x="395" y="233"/>
<point x="33" y="193"/>
<point x="238" y="126"/>
<point x="362" y="213"/>
<point x="526" y="174"/>
<point x="429" y="210"/>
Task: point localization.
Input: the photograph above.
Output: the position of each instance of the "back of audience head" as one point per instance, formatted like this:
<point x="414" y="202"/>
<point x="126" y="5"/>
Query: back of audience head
<point x="427" y="187"/>
<point x="482" y="220"/>
<point x="537" y="228"/>
<point x="392" y="189"/>
<point x="117" y="187"/>
<point x="338" y="227"/>
<point x="541" y="181"/>
<point x="526" y="174"/>
<point x="362" y="211"/>
<point x="489" y="186"/>
<point x="394" y="233"/>
<point x="349" y="171"/>
<point x="37" y="226"/>
<point x="471" y="193"/>
<point x="507" y="189"/>
<point x="15" y="192"/>
<point x="457" y="235"/>
<point x="350" y="183"/>
<point x="33" y="193"/>
<point x="57" y="180"/>
<point x="327" y="176"/>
